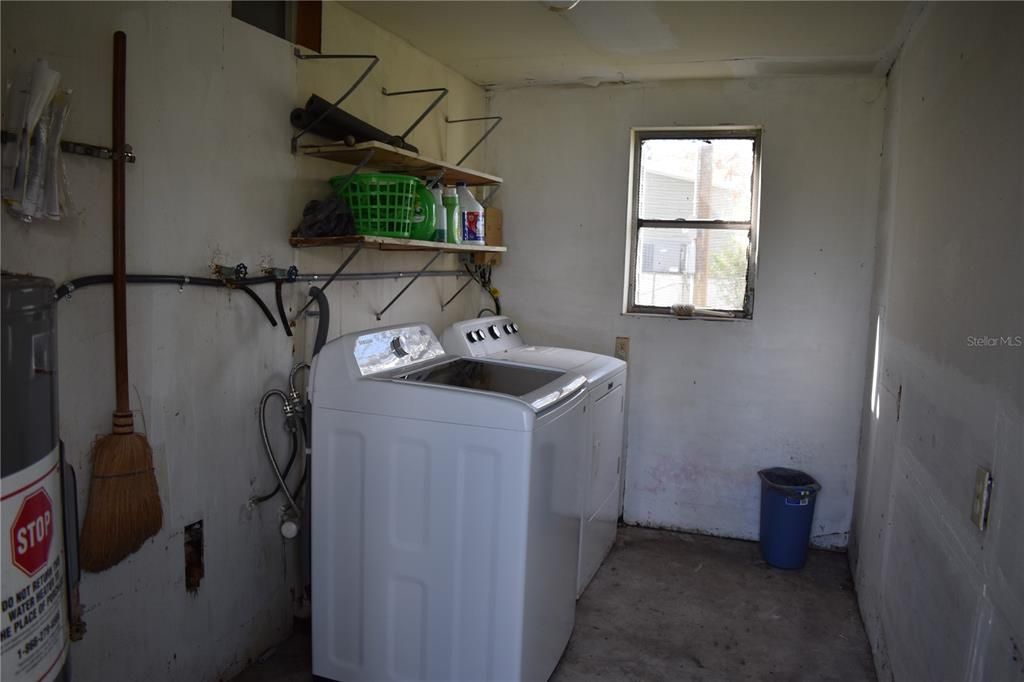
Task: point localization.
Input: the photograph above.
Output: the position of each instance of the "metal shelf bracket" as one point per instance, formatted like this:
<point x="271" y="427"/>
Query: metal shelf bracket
<point x="456" y="294"/>
<point x="344" y="264"/>
<point x="488" y="131"/>
<point x="437" y="100"/>
<point x="409" y="284"/>
<point x="374" y="60"/>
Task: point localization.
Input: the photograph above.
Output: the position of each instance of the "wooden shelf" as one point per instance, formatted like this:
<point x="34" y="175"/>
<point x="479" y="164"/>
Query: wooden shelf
<point x="392" y="244"/>
<point x="393" y="159"/>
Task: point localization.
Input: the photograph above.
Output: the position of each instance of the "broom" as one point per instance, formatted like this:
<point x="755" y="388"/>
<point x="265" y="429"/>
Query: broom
<point x="124" y="502"/>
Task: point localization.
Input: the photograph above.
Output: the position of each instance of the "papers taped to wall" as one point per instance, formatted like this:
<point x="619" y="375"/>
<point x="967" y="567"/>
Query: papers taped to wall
<point x="34" y="180"/>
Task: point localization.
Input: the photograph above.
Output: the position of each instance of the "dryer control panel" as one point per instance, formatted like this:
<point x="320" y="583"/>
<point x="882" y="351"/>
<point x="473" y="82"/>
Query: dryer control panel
<point x="482" y="336"/>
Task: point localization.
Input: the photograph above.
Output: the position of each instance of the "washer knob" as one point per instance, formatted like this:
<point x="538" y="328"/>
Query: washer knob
<point x="493" y="329"/>
<point x="398" y="348"/>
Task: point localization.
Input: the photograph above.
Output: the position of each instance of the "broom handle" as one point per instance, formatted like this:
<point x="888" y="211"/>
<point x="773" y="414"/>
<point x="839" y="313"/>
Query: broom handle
<point x="120" y="277"/>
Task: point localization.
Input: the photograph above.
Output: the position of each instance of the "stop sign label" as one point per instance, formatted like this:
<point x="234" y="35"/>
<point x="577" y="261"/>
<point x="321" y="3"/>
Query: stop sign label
<point x="33" y="610"/>
<point x="32" y="533"/>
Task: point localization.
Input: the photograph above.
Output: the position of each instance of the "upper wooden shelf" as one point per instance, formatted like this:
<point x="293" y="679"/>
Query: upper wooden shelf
<point x="393" y="244"/>
<point x="393" y="159"/>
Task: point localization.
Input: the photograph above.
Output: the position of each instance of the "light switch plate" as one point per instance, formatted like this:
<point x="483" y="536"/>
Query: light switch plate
<point x="982" y="497"/>
<point x="622" y="348"/>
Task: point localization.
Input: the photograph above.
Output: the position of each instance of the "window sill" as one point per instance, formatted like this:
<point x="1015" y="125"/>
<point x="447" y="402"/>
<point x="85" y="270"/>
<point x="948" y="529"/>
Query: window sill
<point x="702" y="318"/>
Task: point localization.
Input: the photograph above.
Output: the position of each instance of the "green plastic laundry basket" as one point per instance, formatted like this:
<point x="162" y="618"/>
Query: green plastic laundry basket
<point x="381" y="203"/>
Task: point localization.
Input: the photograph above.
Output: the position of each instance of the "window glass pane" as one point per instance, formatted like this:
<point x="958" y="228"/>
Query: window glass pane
<point x="704" y="267"/>
<point x="696" y="179"/>
<point x="271" y="16"/>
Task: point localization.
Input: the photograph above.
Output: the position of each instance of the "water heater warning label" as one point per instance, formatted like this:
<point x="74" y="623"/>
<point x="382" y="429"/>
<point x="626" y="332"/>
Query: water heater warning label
<point x="33" y="631"/>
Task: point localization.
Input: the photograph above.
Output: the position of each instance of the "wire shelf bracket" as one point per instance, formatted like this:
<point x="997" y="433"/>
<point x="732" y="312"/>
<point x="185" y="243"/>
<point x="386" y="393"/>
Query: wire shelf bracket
<point x="443" y="92"/>
<point x="344" y="264"/>
<point x="488" y="131"/>
<point x="409" y="284"/>
<point x="374" y="60"/>
<point x="456" y="294"/>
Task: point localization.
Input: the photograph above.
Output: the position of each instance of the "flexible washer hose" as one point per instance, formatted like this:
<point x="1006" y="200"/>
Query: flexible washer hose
<point x="274" y="392"/>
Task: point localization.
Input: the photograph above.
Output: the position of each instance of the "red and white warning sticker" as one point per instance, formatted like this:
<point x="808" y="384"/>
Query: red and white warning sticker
<point x="34" y="611"/>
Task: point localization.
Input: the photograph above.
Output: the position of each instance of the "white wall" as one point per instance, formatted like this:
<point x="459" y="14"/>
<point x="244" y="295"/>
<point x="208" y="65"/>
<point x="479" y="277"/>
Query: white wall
<point x="208" y="101"/>
<point x="710" y="403"/>
<point x="941" y="599"/>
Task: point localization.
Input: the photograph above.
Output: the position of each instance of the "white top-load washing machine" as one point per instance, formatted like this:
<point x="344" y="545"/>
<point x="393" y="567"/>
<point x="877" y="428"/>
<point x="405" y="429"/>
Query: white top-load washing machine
<point x="500" y="338"/>
<point x="444" y="511"/>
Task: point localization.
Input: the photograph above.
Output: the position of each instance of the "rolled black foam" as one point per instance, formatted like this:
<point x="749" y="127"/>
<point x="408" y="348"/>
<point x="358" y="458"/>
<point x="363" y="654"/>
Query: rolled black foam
<point x="339" y="123"/>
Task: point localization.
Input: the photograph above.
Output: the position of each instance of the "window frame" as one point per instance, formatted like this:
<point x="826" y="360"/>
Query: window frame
<point x="633" y="222"/>
<point x="303" y="21"/>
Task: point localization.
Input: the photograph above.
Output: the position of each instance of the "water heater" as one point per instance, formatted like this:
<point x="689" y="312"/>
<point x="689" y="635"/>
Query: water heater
<point x="34" y="627"/>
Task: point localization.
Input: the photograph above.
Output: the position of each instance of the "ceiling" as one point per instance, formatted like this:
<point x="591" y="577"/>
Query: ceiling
<point x="510" y="44"/>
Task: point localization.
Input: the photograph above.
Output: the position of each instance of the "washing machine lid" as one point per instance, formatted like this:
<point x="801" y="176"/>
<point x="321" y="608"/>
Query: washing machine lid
<point x="540" y="388"/>
<point x="596" y="368"/>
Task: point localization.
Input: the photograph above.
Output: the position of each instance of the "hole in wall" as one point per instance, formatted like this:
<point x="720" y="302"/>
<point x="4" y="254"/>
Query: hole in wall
<point x="193" y="556"/>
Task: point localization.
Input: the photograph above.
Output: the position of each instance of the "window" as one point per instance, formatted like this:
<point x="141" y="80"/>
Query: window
<point x="296" y="21"/>
<point x="693" y="221"/>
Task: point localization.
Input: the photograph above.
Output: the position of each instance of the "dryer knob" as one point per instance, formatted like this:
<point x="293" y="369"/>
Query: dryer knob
<point x="478" y="334"/>
<point x="494" y="331"/>
<point x="470" y="337"/>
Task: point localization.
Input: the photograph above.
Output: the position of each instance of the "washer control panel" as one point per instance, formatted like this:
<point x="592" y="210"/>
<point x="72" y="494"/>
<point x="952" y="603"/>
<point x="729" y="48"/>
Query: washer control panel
<point x="391" y="348"/>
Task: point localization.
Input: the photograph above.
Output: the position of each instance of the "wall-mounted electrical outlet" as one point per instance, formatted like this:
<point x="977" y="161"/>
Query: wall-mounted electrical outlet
<point x="982" y="498"/>
<point x="622" y="348"/>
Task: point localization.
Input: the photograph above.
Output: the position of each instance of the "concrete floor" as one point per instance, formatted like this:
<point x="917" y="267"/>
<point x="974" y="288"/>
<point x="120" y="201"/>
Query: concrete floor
<point x="673" y="606"/>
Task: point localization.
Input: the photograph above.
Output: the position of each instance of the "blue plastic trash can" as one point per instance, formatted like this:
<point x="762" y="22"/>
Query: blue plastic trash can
<point x="787" y="509"/>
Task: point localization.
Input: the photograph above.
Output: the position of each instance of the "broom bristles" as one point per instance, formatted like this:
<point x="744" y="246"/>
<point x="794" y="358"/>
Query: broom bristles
<point x="124" y="502"/>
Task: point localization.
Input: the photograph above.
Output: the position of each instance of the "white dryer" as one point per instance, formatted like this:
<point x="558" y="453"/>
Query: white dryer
<point x="601" y="473"/>
<point x="444" y="511"/>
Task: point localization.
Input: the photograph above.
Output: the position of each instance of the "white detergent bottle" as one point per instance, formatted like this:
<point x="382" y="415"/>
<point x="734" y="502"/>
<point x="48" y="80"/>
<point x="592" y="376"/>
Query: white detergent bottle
<point x="472" y="215"/>
<point x="441" y="222"/>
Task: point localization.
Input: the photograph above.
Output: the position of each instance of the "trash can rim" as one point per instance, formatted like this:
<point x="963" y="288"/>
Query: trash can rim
<point x="803" y="488"/>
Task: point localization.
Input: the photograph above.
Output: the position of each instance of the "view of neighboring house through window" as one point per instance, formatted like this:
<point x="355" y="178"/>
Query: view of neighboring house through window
<point x="693" y="223"/>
